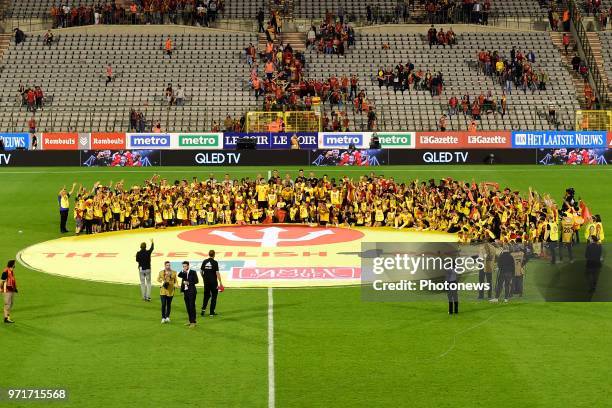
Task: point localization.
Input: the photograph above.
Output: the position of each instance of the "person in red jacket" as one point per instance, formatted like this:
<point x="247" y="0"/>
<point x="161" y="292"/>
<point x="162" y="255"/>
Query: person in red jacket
<point x="8" y="287"/>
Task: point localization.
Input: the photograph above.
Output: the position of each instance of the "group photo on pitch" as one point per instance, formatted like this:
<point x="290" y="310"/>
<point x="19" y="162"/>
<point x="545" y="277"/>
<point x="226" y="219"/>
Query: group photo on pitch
<point x="308" y="204"/>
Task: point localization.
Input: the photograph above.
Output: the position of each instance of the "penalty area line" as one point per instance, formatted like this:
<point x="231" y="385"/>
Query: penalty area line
<point x="271" y="384"/>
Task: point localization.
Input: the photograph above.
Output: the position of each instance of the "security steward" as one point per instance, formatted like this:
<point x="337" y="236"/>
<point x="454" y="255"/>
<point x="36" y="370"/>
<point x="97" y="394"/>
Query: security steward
<point x="212" y="283"/>
<point x="552" y="237"/>
<point x="567" y="237"/>
<point x="189" y="280"/>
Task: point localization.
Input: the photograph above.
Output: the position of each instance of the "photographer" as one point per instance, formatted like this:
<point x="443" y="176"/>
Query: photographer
<point x="168" y="279"/>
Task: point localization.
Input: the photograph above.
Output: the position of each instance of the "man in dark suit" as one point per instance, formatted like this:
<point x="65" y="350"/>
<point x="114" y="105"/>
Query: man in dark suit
<point x="594" y="257"/>
<point x="212" y="281"/>
<point x="188" y="288"/>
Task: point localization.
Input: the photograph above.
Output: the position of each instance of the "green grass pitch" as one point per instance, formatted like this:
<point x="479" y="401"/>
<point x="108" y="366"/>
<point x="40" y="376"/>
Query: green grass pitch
<point x="107" y="347"/>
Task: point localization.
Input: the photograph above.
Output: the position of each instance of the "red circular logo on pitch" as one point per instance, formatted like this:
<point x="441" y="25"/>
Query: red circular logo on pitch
<point x="270" y="236"/>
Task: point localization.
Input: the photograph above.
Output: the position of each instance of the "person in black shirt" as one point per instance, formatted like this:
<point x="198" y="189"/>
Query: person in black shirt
<point x="505" y="263"/>
<point x="593" y="256"/>
<point x="188" y="288"/>
<point x="212" y="281"/>
<point x="143" y="257"/>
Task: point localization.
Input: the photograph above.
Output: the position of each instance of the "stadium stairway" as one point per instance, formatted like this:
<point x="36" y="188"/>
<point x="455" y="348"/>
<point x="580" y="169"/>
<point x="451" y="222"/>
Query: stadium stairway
<point x="284" y="7"/>
<point x="296" y="40"/>
<point x="5" y="42"/>
<point x="557" y="39"/>
<point x="596" y="47"/>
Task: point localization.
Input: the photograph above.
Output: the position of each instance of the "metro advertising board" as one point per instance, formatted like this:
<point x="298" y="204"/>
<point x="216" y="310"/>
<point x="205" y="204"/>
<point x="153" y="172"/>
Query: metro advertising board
<point x="200" y="141"/>
<point x="396" y="140"/>
<point x="60" y="141"/>
<point x="148" y="141"/>
<point x="271" y="140"/>
<point x="547" y="139"/>
<point x="13" y="141"/>
<point x="342" y="140"/>
<point x="463" y="140"/>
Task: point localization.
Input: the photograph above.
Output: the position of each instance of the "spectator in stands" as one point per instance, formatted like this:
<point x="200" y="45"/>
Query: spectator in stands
<point x="228" y="124"/>
<point x="251" y="54"/>
<point x="442" y="123"/>
<point x="354" y="82"/>
<point x="109" y="74"/>
<point x="169" y="94"/>
<point x="39" y="97"/>
<point x="453" y="102"/>
<point x="552" y="114"/>
<point x="566" y="20"/>
<point x="583" y="70"/>
<point x="432" y="36"/>
<point x="371" y="119"/>
<point x="503" y="104"/>
<point x="157" y="128"/>
<point x="477" y="13"/>
<point x="48" y="38"/>
<point x="133" y="120"/>
<point x="576" y="63"/>
<point x="168" y="47"/>
<point x="215" y="126"/>
<point x="566" y="42"/>
<point x="260" y="20"/>
<point x="19" y="36"/>
<point x="32" y="125"/>
<point x="473" y="126"/>
<point x="31" y="100"/>
<point x="295" y="144"/>
<point x="311" y="37"/>
<point x="180" y="96"/>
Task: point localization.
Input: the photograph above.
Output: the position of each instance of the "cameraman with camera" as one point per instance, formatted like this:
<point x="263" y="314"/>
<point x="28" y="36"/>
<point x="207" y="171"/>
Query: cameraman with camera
<point x="168" y="279"/>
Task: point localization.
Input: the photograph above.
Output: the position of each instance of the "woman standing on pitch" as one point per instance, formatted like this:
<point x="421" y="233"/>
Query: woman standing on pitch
<point x="8" y="287"/>
<point x="167" y="278"/>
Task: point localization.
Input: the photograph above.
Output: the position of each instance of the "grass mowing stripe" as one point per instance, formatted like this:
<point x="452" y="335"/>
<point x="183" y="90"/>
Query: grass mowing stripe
<point x="271" y="386"/>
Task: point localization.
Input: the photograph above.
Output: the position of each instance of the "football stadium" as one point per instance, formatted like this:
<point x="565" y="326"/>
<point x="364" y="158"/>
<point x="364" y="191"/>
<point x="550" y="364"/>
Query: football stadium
<point x="305" y="203"/>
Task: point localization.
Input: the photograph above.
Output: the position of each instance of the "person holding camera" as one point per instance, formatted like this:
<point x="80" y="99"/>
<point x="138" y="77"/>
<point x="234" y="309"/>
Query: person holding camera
<point x="168" y="279"/>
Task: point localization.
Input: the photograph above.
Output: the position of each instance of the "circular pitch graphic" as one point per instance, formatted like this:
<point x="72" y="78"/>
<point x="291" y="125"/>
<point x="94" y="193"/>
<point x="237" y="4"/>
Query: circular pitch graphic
<point x="249" y="256"/>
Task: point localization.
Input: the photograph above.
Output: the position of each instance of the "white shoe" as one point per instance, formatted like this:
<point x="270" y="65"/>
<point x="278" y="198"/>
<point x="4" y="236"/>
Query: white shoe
<point x="167" y="320"/>
<point x="505" y="300"/>
<point x="163" y="321"/>
<point x="493" y="300"/>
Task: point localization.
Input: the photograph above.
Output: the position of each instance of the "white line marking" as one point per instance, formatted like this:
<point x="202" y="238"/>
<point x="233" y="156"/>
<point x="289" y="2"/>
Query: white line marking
<point x="460" y="332"/>
<point x="271" y="388"/>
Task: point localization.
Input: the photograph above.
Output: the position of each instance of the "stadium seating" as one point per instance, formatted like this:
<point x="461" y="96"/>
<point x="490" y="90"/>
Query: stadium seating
<point x="419" y="110"/>
<point x="212" y="70"/>
<point x="302" y="8"/>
